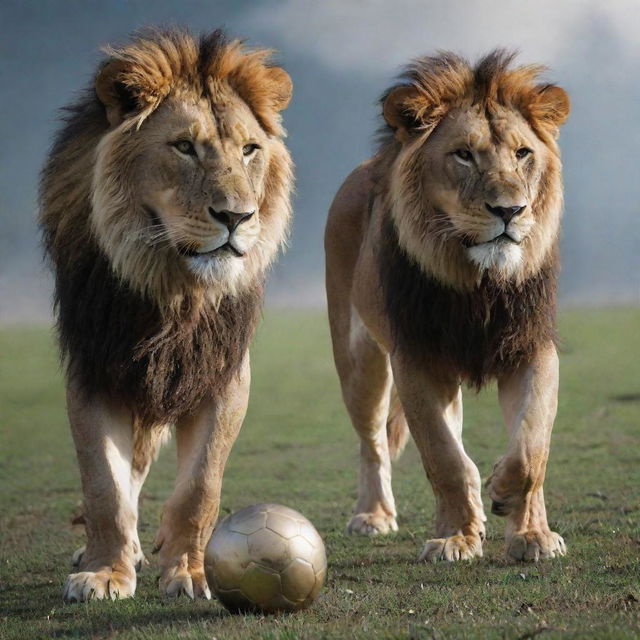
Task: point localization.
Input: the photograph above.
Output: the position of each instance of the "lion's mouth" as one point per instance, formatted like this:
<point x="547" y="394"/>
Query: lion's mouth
<point x="189" y="252"/>
<point x="503" y="237"/>
<point x="226" y="248"/>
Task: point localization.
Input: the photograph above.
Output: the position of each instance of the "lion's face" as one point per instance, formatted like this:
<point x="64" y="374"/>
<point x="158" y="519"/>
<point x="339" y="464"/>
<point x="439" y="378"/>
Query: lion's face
<point x="191" y="181"/>
<point x="483" y="175"/>
<point x="201" y="173"/>
<point x="475" y="186"/>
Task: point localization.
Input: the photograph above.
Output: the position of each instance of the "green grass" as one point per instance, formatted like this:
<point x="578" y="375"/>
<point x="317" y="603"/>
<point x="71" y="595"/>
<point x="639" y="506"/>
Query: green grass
<point x="298" y="448"/>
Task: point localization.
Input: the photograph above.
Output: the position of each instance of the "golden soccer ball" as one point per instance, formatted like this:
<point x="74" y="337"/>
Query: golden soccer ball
<point x="265" y="558"/>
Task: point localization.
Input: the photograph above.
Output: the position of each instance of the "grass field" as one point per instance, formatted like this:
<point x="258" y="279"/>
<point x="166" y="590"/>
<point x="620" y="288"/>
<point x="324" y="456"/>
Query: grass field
<point x="297" y="448"/>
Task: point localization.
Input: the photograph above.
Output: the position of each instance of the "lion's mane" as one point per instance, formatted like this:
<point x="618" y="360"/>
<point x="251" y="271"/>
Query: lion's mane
<point x="479" y="333"/>
<point x="442" y="313"/>
<point x="155" y="340"/>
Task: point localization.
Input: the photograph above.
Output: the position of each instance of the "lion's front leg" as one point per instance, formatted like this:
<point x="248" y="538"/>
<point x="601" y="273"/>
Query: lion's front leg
<point x="204" y="441"/>
<point x="103" y="435"/>
<point x="146" y="443"/>
<point x="528" y="398"/>
<point x="433" y="406"/>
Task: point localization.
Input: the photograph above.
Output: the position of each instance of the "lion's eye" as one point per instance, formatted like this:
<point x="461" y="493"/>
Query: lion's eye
<point x="523" y="152"/>
<point x="463" y="154"/>
<point x="185" y="146"/>
<point x="250" y="148"/>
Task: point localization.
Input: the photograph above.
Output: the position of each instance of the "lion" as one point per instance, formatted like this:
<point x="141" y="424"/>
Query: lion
<point x="164" y="200"/>
<point x="441" y="269"/>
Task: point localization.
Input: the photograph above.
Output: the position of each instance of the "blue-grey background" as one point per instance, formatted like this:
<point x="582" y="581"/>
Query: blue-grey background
<point x="341" y="55"/>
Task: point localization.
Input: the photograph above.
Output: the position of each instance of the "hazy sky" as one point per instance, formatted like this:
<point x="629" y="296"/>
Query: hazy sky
<point x="342" y="55"/>
<point x="376" y="35"/>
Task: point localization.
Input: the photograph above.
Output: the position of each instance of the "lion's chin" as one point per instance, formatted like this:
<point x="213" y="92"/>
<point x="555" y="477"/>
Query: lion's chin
<point x="220" y="269"/>
<point x="498" y="256"/>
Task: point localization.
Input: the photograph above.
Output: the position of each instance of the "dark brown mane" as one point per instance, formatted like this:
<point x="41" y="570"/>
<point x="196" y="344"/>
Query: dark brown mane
<point x="158" y="360"/>
<point x="118" y="344"/>
<point x="475" y="335"/>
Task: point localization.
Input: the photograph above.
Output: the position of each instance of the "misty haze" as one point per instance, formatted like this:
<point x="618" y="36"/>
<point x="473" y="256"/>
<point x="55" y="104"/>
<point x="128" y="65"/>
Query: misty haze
<point x="341" y="56"/>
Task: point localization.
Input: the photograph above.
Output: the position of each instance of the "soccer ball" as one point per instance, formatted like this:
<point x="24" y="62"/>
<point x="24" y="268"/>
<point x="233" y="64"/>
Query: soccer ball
<point x="265" y="558"/>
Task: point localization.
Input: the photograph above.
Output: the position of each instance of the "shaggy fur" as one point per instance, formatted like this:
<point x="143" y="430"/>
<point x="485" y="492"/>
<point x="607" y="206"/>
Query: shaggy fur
<point x="148" y="333"/>
<point x="442" y="81"/>
<point x="161" y="366"/>
<point x="442" y="310"/>
<point x="159" y="62"/>
<point x="87" y="192"/>
<point x="478" y="334"/>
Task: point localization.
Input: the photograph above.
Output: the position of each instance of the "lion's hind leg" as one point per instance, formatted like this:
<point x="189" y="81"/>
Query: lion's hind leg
<point x="146" y="445"/>
<point x="103" y="436"/>
<point x="366" y="387"/>
<point x="528" y="535"/>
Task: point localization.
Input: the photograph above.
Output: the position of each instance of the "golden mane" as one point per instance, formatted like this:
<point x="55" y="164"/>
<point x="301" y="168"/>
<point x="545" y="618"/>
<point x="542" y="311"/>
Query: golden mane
<point x="442" y="309"/>
<point x="428" y="90"/>
<point x="158" y="62"/>
<point x="445" y="80"/>
<point x="87" y="153"/>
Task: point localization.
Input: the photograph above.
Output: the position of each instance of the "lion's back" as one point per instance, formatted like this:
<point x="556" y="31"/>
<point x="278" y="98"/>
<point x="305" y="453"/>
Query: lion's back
<point x="349" y="214"/>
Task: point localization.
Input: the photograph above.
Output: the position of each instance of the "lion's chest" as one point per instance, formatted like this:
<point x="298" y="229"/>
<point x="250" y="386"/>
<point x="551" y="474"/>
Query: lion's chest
<point x="476" y="335"/>
<point x="161" y="366"/>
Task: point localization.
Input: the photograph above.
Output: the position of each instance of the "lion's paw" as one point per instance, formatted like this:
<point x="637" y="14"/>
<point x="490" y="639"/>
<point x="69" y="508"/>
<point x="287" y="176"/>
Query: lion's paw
<point x="98" y="585"/>
<point x="371" y="524"/>
<point x="177" y="582"/>
<point x="451" y="549"/>
<point x="505" y="494"/>
<point x="532" y="546"/>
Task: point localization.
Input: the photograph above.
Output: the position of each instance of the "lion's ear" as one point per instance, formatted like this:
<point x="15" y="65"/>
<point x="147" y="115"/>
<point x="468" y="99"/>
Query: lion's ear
<point x="550" y="105"/>
<point x="405" y="108"/>
<point x="282" y="87"/>
<point x="397" y="108"/>
<point x="112" y="89"/>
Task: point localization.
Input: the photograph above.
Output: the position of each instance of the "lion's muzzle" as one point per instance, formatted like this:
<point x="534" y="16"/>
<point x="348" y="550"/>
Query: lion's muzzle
<point x="505" y="213"/>
<point x="230" y="219"/>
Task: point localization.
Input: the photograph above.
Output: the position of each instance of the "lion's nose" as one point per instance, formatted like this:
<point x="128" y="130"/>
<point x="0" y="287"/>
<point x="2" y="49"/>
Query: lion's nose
<point x="505" y="213"/>
<point x="231" y="219"/>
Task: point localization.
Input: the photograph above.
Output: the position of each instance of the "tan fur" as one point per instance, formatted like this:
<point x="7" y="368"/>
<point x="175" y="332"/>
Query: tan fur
<point x="397" y="428"/>
<point x="421" y="207"/>
<point x="157" y="293"/>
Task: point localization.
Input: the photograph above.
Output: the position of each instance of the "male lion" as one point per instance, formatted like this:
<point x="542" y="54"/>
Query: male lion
<point x="441" y="269"/>
<point x="164" y="200"/>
